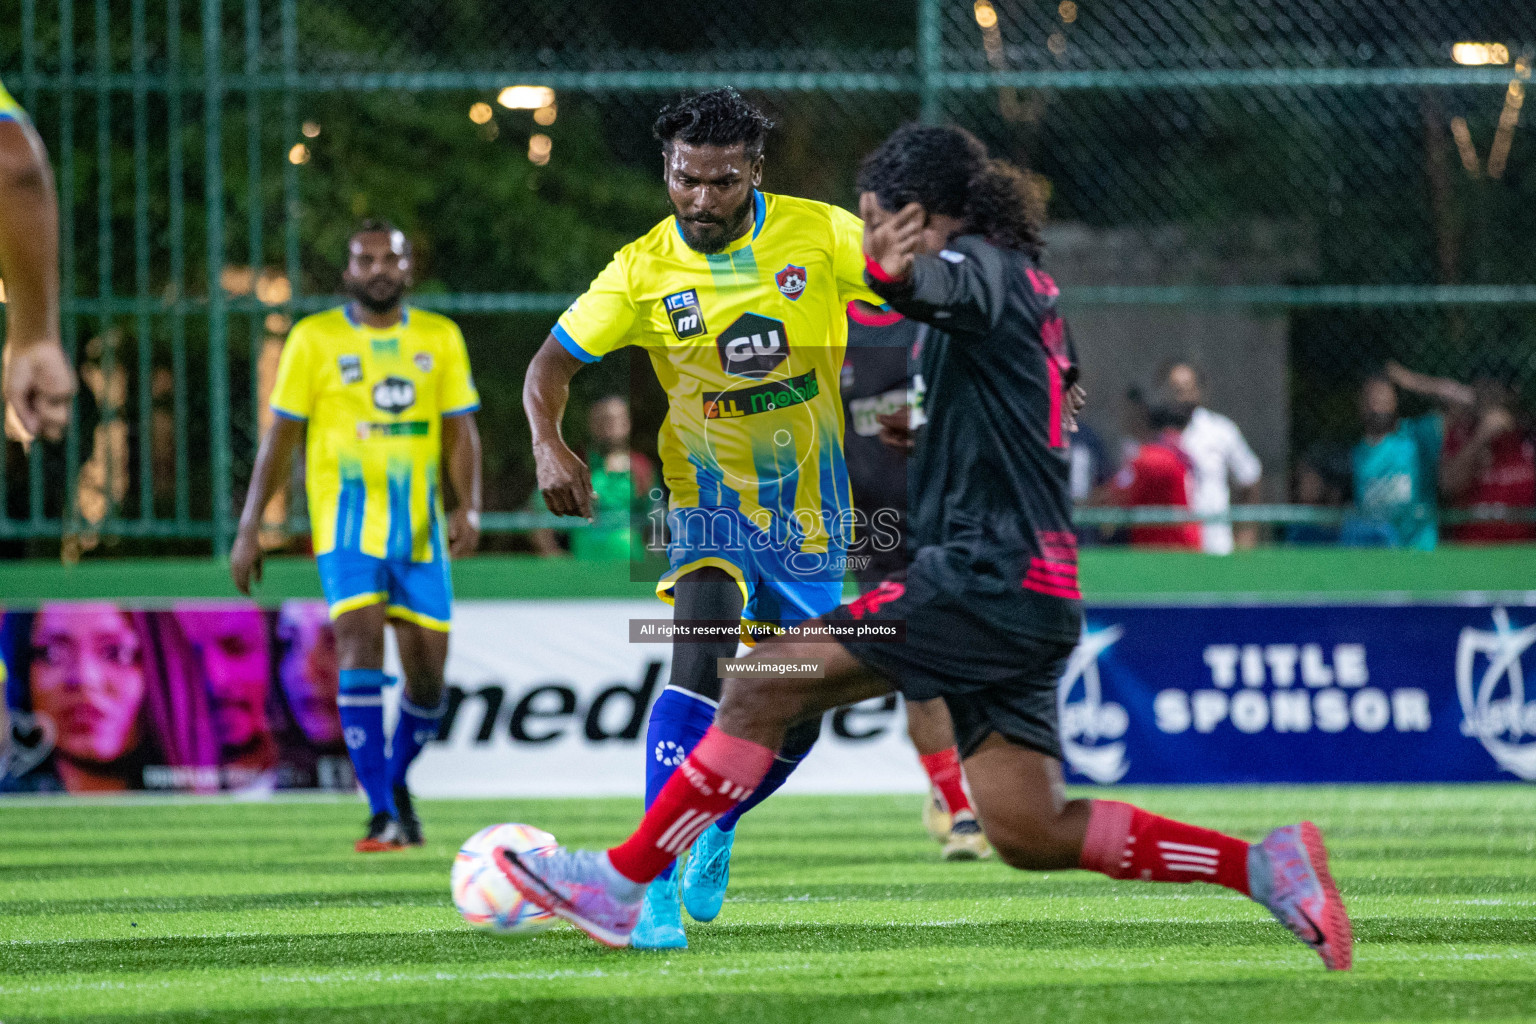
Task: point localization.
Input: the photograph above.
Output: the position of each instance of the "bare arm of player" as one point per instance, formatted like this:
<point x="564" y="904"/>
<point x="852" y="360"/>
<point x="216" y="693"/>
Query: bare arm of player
<point x="461" y="453"/>
<point x="273" y="460"/>
<point x="564" y="480"/>
<point x="38" y="380"/>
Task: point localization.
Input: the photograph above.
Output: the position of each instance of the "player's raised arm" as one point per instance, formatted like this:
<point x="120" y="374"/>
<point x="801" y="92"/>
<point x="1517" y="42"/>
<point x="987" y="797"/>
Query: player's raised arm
<point x="273" y="460"/>
<point x="564" y="480"/>
<point x="38" y="380"/>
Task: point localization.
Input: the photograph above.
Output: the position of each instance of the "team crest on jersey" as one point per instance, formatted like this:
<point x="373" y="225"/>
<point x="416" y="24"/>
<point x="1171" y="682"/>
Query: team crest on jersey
<point x="791" y="281"/>
<point x="753" y="346"/>
<point x="351" y="368"/>
<point x="687" y="317"/>
<point x="423" y="361"/>
<point x="394" y="395"/>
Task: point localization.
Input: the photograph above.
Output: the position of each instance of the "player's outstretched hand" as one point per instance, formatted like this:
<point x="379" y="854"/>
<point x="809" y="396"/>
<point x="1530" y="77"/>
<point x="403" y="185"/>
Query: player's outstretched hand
<point x="891" y="239"/>
<point x="463" y="532"/>
<point x="564" y="480"/>
<point x="39" y="384"/>
<point x="896" y="430"/>
<point x="245" y="559"/>
<point x="1076" y="399"/>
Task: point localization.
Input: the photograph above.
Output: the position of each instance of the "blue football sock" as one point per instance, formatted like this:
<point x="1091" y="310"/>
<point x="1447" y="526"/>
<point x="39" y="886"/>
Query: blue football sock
<point x="361" y="702"/>
<point x="416" y="728"/>
<point x="796" y="745"/>
<point x="679" y="719"/>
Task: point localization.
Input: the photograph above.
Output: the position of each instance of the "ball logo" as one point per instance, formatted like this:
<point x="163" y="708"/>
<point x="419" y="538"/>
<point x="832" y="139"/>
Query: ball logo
<point x="394" y="395"/>
<point x="753" y="346"/>
<point x="791" y="281"/>
<point x="1091" y="727"/>
<point x="1490" y="681"/>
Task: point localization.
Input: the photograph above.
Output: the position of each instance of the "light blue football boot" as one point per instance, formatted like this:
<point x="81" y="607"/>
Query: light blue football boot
<point x="708" y="873"/>
<point x="661" y="918"/>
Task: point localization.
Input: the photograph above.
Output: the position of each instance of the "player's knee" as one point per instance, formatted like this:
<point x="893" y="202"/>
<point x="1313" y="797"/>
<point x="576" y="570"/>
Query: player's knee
<point x="752" y="706"/>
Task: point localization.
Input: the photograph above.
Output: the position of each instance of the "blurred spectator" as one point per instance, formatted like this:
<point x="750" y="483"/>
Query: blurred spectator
<point x="1320" y="480"/>
<point x="1089" y="468"/>
<point x="1221" y="458"/>
<point x="1487" y="460"/>
<point x="1396" y="466"/>
<point x="620" y="477"/>
<point x="1160" y="473"/>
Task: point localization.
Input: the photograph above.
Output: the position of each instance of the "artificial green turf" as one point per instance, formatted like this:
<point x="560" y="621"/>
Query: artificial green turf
<point x="840" y="909"/>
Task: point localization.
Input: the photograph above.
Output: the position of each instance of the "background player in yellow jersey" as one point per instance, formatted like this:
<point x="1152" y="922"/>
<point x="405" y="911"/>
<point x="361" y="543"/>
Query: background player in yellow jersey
<point x="385" y="395"/>
<point x="739" y="301"/>
<point x="38" y="379"/>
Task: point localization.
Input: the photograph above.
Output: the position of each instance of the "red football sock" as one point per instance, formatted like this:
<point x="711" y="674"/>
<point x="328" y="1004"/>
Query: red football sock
<point x="944" y="772"/>
<point x="721" y="772"/>
<point x="1127" y="842"/>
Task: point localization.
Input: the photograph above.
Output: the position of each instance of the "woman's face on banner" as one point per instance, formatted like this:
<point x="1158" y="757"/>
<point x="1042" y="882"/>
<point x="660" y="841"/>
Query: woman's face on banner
<point x="88" y="677"/>
<point x="309" y="672"/>
<point x="232" y="643"/>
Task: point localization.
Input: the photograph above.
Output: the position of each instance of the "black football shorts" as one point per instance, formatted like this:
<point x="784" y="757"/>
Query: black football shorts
<point x="971" y="646"/>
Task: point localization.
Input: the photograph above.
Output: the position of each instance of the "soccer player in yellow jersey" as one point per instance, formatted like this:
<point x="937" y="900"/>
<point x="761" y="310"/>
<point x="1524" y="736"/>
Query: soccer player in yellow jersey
<point x="38" y="380"/>
<point x="384" y="394"/>
<point x="739" y="301"/>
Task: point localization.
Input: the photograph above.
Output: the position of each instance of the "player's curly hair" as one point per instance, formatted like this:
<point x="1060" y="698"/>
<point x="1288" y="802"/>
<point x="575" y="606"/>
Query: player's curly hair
<point x="947" y="170"/>
<point x="720" y="117"/>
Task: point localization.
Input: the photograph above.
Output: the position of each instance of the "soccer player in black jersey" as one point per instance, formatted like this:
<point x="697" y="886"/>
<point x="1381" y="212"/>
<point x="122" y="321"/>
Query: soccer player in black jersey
<point x="989" y="601"/>
<point x="875" y="390"/>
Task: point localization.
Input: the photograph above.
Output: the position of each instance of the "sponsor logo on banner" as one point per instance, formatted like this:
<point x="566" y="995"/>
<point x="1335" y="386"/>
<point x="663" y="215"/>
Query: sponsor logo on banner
<point x="1490" y="682"/>
<point x="791" y="281"/>
<point x="563" y="711"/>
<point x="1092" y="727"/>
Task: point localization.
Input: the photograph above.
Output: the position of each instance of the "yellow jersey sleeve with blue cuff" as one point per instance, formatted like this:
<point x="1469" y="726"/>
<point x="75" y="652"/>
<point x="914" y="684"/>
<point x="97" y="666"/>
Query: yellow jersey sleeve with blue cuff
<point x="374" y="401"/>
<point x="457" y="394"/>
<point x="603" y="319"/>
<point x="10" y="110"/>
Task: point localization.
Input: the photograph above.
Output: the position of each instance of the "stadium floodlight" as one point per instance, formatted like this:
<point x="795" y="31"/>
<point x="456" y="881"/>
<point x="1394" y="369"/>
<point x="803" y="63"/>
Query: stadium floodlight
<point x="526" y="97"/>
<point x="1473" y="54"/>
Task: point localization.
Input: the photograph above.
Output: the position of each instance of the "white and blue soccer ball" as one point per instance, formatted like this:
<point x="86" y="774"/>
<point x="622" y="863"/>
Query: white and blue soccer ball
<point x="484" y="897"/>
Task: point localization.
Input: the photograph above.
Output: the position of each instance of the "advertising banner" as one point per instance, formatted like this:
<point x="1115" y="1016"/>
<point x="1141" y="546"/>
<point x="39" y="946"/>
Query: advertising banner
<point x="550" y="698"/>
<point x="199" y="698"/>
<point x="1376" y="693"/>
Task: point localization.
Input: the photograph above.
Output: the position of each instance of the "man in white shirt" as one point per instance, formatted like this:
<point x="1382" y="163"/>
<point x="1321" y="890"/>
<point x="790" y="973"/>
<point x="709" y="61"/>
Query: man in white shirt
<point x="1222" y="460"/>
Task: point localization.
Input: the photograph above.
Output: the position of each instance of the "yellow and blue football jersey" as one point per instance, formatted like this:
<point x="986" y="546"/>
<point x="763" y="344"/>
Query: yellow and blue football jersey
<point x="10" y="110"/>
<point x="374" y="399"/>
<point x="748" y="344"/>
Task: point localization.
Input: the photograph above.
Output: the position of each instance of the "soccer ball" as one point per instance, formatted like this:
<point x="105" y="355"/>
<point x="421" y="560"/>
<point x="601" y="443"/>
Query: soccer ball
<point x="482" y="893"/>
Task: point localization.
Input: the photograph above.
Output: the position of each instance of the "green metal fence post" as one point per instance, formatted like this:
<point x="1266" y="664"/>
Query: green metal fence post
<point x="218" y="326"/>
<point x="175" y="85"/>
<point x="143" y="327"/>
<point x="930" y="58"/>
<point x="107" y="412"/>
<point x="70" y="321"/>
<point x="290" y="127"/>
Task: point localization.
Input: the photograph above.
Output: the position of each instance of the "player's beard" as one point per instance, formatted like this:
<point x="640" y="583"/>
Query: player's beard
<point x="709" y="237"/>
<point x="376" y="295"/>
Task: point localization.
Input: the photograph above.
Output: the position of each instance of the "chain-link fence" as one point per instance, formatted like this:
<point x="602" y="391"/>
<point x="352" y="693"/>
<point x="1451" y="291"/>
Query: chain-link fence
<point x="1289" y="193"/>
